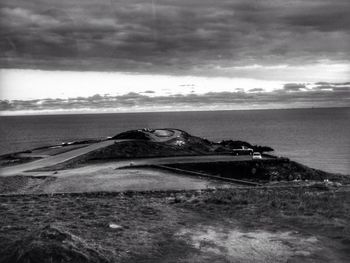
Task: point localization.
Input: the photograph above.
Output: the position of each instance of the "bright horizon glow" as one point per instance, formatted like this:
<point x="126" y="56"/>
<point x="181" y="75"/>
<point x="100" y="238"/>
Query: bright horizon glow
<point x="41" y="85"/>
<point x="28" y="84"/>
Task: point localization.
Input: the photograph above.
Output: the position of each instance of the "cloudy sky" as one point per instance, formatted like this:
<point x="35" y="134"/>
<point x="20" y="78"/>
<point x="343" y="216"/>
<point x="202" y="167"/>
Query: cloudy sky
<point x="153" y="55"/>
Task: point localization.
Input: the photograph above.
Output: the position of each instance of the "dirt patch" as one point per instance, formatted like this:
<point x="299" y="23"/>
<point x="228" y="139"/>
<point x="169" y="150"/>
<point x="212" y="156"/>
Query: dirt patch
<point x="130" y="180"/>
<point x="235" y="245"/>
<point x="104" y="179"/>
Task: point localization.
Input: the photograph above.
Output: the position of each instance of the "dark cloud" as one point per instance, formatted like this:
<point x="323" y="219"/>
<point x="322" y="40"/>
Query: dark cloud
<point x="325" y="17"/>
<point x="134" y="101"/>
<point x="256" y="90"/>
<point x="172" y="37"/>
<point x="333" y="83"/>
<point x="338" y="87"/>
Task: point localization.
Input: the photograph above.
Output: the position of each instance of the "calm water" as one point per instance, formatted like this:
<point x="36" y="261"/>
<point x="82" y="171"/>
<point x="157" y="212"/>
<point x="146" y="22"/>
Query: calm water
<point x="316" y="137"/>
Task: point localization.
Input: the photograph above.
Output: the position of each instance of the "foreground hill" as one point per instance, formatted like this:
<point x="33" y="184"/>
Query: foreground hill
<point x="233" y="225"/>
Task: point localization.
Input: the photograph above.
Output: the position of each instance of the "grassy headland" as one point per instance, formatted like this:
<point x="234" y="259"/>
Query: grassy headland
<point x="299" y="215"/>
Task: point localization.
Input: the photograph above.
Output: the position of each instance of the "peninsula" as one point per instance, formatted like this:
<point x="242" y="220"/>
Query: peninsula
<point x="163" y="195"/>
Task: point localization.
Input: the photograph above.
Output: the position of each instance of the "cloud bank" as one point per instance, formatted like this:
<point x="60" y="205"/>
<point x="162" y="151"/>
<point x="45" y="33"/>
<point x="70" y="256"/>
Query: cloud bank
<point x="194" y="37"/>
<point x="298" y="42"/>
<point x="292" y="95"/>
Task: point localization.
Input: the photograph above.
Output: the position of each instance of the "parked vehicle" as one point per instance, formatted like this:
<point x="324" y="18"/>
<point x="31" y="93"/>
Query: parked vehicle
<point x="257" y="155"/>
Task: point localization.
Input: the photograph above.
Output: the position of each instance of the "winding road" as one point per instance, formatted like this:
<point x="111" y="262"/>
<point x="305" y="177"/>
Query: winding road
<point x="53" y="160"/>
<point x="160" y="135"/>
<point x="183" y="159"/>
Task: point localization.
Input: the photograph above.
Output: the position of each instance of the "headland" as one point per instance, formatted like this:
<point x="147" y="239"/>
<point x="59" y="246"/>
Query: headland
<point x="163" y="195"/>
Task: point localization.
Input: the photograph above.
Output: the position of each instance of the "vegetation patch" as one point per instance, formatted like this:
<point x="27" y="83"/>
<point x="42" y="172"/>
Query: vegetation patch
<point x="21" y="184"/>
<point x="78" y="226"/>
<point x="53" y="244"/>
<point x="280" y="169"/>
<point x="142" y="149"/>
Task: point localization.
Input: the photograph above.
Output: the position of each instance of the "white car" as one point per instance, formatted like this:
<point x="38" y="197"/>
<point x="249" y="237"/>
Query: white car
<point x="257" y="155"/>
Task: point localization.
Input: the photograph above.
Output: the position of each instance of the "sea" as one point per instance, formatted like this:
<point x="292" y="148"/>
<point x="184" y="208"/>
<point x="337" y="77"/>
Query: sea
<point x="317" y="137"/>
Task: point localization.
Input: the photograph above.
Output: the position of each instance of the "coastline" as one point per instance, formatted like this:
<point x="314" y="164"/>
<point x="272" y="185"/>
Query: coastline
<point x="291" y="137"/>
<point x="126" y="202"/>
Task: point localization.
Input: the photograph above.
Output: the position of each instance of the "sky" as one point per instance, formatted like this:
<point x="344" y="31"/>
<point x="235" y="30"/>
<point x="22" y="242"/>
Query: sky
<point x="77" y="56"/>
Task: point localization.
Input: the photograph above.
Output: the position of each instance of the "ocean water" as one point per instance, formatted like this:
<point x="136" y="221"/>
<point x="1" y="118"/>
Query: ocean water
<point x="318" y="138"/>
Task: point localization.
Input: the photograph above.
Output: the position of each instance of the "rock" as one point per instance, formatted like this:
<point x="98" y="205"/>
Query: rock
<point x="115" y="226"/>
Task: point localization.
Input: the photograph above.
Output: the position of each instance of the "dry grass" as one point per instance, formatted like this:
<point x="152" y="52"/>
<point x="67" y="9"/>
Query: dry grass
<point x="149" y="220"/>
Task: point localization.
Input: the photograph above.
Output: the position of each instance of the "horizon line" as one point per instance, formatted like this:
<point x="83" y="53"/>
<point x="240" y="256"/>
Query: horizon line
<point x="161" y="111"/>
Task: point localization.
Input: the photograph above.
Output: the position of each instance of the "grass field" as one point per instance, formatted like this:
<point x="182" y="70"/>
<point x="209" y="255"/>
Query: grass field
<point x="304" y="224"/>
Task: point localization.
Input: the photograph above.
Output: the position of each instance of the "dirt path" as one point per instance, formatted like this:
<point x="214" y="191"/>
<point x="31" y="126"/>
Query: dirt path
<point x="185" y="159"/>
<point x="60" y="158"/>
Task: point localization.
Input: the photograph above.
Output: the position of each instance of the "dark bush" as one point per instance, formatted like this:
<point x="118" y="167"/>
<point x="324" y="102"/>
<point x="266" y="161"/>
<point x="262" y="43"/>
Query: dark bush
<point x="131" y="135"/>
